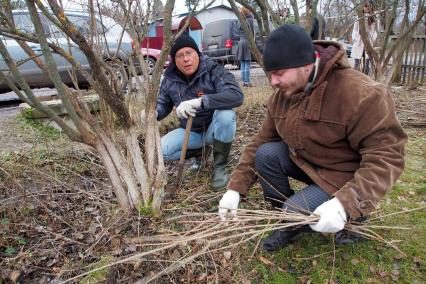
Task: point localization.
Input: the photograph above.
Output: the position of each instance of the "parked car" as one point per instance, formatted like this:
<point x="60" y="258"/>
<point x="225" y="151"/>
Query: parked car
<point x="108" y="33"/>
<point x="348" y="47"/>
<point x="219" y="42"/>
<point x="151" y="55"/>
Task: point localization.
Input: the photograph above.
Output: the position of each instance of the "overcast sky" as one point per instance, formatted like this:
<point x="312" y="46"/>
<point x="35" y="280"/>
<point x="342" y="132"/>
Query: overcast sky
<point x="179" y="4"/>
<point x="181" y="8"/>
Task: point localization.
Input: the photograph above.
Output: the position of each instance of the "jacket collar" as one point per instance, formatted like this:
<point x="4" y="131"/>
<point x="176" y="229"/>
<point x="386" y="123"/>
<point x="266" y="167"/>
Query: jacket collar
<point x="332" y="56"/>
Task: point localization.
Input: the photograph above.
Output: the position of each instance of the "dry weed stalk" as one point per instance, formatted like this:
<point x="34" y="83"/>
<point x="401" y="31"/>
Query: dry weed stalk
<point x="205" y="233"/>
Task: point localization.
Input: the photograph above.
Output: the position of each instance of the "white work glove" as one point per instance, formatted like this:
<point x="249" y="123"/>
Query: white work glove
<point x="229" y="202"/>
<point x="188" y="108"/>
<point x="332" y="217"/>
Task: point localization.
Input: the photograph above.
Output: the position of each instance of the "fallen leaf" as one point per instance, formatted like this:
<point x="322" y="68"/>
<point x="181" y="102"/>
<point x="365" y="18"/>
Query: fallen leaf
<point x="227" y="254"/>
<point x="372" y="269"/>
<point x="304" y="279"/>
<point x="51" y="262"/>
<point x="130" y="248"/>
<point x="416" y="260"/>
<point x="175" y="255"/>
<point x="396" y="265"/>
<point x="202" y="276"/>
<point x="414" y="267"/>
<point x="14" y="276"/>
<point x="266" y="261"/>
<point x="383" y="274"/>
<point x="395" y="272"/>
<point x="400" y="198"/>
<point x="354" y="261"/>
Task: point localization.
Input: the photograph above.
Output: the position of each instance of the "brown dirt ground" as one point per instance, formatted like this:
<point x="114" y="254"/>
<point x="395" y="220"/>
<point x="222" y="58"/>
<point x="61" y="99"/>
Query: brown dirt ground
<point x="58" y="217"/>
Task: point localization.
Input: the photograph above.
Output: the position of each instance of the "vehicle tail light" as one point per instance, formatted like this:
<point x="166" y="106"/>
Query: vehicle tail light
<point x="228" y="43"/>
<point x="133" y="45"/>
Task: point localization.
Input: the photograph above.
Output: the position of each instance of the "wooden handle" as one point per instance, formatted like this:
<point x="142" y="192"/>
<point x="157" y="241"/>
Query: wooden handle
<point x="186" y="139"/>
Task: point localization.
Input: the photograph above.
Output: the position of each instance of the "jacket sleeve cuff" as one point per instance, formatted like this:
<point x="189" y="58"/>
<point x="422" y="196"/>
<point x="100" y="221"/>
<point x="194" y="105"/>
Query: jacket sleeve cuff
<point x="238" y="188"/>
<point x="354" y="206"/>
<point x="205" y="103"/>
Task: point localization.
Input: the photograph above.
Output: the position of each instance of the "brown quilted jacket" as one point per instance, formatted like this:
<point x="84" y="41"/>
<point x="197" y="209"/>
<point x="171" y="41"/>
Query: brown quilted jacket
<point x="344" y="134"/>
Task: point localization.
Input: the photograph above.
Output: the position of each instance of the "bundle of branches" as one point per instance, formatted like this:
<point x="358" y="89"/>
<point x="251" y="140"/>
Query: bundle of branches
<point x="202" y="233"/>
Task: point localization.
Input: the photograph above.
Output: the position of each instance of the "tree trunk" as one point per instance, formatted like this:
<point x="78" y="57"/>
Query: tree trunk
<point x="295" y="11"/>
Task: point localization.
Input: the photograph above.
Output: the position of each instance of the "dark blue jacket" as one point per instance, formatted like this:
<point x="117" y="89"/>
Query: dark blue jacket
<point x="220" y="89"/>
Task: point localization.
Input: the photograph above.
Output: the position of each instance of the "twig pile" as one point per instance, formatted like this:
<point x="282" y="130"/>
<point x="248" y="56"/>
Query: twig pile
<point x="206" y="233"/>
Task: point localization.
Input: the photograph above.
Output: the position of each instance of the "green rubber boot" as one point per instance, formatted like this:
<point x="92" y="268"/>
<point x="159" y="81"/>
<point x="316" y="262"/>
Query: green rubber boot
<point x="220" y="160"/>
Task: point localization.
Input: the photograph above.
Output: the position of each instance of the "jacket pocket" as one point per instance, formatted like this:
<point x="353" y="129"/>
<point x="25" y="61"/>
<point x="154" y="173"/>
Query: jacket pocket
<point x="325" y="134"/>
<point x="336" y="178"/>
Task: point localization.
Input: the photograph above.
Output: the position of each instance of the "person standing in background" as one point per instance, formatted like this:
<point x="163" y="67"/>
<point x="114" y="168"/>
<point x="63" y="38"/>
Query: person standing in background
<point x="243" y="50"/>
<point x="358" y="48"/>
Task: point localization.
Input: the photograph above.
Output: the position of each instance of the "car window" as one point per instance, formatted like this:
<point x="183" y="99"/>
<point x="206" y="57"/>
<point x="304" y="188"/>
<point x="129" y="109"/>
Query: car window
<point x="23" y="22"/>
<point x="100" y="28"/>
<point x="82" y="23"/>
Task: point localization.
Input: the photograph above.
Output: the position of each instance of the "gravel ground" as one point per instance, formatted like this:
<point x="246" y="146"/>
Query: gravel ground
<point x="13" y="134"/>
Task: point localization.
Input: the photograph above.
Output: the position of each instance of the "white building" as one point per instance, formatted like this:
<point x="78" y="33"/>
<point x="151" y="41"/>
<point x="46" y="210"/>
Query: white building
<point x="216" y="13"/>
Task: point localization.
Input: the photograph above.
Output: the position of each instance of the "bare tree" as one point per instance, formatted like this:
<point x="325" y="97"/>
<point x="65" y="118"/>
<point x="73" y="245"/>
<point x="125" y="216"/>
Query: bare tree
<point x="338" y="19"/>
<point x="137" y="175"/>
<point x="389" y="49"/>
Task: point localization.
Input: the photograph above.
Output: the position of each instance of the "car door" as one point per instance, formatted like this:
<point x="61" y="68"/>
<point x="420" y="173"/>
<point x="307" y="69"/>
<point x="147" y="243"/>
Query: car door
<point x="59" y="38"/>
<point x="32" y="74"/>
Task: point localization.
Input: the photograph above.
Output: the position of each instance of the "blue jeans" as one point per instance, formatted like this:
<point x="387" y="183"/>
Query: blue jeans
<point x="222" y="128"/>
<point x="274" y="166"/>
<point x="245" y="70"/>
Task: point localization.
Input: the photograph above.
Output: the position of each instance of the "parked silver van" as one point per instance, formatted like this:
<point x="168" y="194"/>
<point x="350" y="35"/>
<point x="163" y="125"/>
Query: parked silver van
<point x="107" y="35"/>
<point x="220" y="42"/>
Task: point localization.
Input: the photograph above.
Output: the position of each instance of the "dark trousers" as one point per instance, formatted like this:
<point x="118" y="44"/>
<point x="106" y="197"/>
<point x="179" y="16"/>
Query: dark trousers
<point x="274" y="167"/>
<point x="366" y="69"/>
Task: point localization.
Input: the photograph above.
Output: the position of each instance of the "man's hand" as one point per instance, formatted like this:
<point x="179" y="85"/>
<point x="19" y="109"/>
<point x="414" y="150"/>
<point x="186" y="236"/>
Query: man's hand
<point x="188" y="108"/>
<point x="229" y="201"/>
<point x="332" y="217"/>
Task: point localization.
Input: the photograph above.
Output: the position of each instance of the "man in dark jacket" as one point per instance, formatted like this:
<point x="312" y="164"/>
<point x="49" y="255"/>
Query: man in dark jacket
<point x="327" y="125"/>
<point x="200" y="88"/>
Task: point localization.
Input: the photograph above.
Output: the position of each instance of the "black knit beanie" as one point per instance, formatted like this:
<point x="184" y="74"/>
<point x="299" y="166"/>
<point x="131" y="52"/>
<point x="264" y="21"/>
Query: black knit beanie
<point x="288" y="46"/>
<point x="182" y="41"/>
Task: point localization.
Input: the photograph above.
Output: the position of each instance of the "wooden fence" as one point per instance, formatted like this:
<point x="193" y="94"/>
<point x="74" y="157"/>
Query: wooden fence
<point x="413" y="67"/>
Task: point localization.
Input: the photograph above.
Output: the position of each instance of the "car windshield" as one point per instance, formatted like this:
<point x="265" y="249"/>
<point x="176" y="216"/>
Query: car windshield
<point x="23" y="22"/>
<point x="82" y="23"/>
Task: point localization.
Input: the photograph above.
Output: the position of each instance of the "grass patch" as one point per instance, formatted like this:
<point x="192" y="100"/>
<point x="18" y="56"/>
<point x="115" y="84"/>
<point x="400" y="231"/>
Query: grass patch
<point x="311" y="258"/>
<point x="100" y="275"/>
<point x="46" y="131"/>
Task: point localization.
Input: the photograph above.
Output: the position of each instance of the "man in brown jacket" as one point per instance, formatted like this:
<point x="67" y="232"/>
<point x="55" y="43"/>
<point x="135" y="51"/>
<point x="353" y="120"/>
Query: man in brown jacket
<point x="328" y="126"/>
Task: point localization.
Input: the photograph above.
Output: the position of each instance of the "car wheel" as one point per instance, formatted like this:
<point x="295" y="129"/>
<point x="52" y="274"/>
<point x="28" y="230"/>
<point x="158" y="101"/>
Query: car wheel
<point x="120" y="73"/>
<point x="151" y="63"/>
